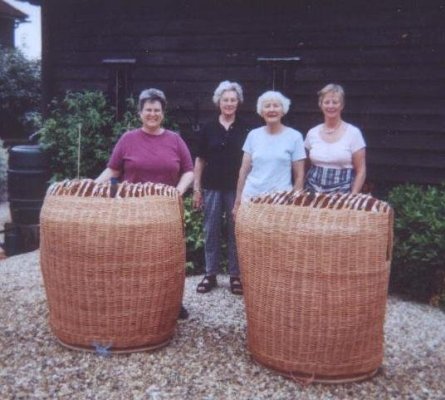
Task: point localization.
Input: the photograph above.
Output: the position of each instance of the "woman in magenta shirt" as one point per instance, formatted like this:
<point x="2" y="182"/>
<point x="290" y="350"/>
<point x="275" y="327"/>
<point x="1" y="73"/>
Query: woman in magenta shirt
<point x="151" y="153"/>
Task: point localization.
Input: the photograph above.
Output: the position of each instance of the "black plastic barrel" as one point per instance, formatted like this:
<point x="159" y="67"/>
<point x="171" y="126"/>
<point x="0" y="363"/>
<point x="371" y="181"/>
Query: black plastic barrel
<point x="28" y="176"/>
<point x="12" y="244"/>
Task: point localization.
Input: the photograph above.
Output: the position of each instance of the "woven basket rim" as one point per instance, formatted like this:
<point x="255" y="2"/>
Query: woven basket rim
<point x="89" y="188"/>
<point x="317" y="200"/>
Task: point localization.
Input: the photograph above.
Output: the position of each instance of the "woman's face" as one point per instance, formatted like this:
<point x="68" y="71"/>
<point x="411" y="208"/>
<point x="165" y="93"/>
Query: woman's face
<point x="272" y="111"/>
<point x="331" y="105"/>
<point x="152" y="115"/>
<point x="228" y="103"/>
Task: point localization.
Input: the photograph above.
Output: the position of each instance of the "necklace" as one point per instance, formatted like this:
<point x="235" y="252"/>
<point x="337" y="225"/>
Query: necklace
<point x="330" y="131"/>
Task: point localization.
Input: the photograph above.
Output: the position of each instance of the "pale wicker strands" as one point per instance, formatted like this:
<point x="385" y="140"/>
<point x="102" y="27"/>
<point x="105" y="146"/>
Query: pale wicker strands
<point x="315" y="283"/>
<point x="113" y="268"/>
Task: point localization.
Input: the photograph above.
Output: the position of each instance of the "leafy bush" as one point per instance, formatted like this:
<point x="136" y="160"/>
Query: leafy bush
<point x="20" y="93"/>
<point x="86" y="114"/>
<point x="418" y="265"/>
<point x="3" y="172"/>
<point x="194" y="238"/>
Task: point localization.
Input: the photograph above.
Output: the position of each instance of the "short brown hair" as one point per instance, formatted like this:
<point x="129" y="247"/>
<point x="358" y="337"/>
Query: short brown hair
<point x="151" y="95"/>
<point x="331" y="88"/>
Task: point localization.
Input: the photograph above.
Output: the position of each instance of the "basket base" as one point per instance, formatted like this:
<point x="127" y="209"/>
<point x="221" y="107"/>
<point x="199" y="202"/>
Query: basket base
<point x="115" y="351"/>
<point x="307" y="378"/>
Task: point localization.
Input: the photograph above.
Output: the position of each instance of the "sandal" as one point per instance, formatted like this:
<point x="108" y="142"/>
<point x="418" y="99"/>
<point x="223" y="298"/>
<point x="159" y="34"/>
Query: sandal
<point x="236" y="286"/>
<point x="207" y="284"/>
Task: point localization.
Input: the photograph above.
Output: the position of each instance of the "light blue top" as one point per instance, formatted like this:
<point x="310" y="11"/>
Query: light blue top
<point x="272" y="157"/>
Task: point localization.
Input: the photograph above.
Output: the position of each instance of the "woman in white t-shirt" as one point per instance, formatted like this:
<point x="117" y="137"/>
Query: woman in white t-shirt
<point x="336" y="149"/>
<point x="273" y="154"/>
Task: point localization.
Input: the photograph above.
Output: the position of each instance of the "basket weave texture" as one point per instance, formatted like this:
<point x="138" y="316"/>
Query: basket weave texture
<point x="315" y="270"/>
<point x="113" y="268"/>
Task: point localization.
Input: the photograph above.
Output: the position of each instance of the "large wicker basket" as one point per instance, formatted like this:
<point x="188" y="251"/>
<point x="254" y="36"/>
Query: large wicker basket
<point x="315" y="270"/>
<point x="113" y="267"/>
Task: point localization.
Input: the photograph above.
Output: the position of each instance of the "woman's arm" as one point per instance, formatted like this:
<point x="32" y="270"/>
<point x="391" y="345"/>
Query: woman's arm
<point x="246" y="167"/>
<point x="307" y="161"/>
<point x="107" y="174"/>
<point x="197" y="185"/>
<point x="359" y="163"/>
<point x="184" y="182"/>
<point x="298" y="173"/>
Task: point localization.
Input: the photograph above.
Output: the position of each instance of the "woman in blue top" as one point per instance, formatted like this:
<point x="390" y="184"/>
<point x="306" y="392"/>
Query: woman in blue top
<point x="274" y="154"/>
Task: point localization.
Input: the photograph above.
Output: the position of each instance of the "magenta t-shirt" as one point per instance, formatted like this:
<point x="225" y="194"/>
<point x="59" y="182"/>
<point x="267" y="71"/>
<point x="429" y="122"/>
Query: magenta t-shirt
<point x="141" y="157"/>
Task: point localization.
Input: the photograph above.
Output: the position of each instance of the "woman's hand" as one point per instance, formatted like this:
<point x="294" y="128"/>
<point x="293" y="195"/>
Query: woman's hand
<point x="359" y="163"/>
<point x="197" y="187"/>
<point x="236" y="205"/>
<point x="246" y="166"/>
<point x="184" y="182"/>
<point x="298" y="174"/>
<point x="197" y="200"/>
<point x="106" y="175"/>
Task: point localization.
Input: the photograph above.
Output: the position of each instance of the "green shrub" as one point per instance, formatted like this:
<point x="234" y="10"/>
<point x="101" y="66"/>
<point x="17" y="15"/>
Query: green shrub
<point x="194" y="238"/>
<point x="418" y="266"/>
<point x="86" y="113"/>
<point x="3" y="172"/>
<point x="20" y="93"/>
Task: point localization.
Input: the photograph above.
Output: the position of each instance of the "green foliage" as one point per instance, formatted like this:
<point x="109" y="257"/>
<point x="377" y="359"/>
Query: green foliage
<point x="3" y="172"/>
<point x="88" y="114"/>
<point x="419" y="247"/>
<point x="194" y="239"/>
<point x="20" y="92"/>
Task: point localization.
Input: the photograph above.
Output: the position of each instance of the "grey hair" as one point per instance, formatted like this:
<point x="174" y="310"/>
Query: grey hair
<point x="224" y="86"/>
<point x="331" y="88"/>
<point x="151" y="95"/>
<point x="272" y="95"/>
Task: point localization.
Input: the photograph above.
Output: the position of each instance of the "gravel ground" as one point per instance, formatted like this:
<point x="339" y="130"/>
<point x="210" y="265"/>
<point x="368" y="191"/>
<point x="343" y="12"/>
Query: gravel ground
<point x="206" y="360"/>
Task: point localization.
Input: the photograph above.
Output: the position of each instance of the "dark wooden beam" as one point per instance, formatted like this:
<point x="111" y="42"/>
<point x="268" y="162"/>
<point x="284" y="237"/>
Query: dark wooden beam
<point x="47" y="55"/>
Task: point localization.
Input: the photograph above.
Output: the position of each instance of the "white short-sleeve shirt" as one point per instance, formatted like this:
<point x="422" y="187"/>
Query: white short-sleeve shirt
<point x="337" y="154"/>
<point x="272" y="157"/>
